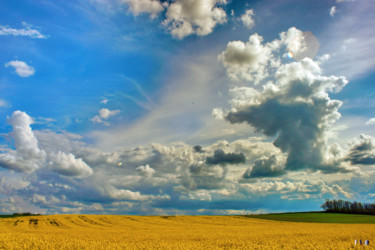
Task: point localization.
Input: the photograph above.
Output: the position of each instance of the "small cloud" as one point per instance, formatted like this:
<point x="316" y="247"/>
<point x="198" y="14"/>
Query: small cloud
<point x="247" y="19"/>
<point x="271" y="166"/>
<point x="220" y="157"/>
<point x="22" y="69"/>
<point x="104" y="114"/>
<point x="370" y="122"/>
<point x="3" y="103"/>
<point x="104" y="101"/>
<point x="323" y="58"/>
<point x="218" y="113"/>
<point x="332" y="12"/>
<point x="151" y="7"/>
<point x="44" y="120"/>
<point x="184" y="18"/>
<point x="28" y="31"/>
<point x="67" y="164"/>
<point x="362" y="151"/>
<point x="145" y="171"/>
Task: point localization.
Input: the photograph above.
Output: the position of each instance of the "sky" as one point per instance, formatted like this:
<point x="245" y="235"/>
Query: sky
<point x="154" y="107"/>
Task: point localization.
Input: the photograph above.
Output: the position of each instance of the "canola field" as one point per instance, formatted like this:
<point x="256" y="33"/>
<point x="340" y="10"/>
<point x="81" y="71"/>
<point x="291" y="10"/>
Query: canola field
<point x="176" y="232"/>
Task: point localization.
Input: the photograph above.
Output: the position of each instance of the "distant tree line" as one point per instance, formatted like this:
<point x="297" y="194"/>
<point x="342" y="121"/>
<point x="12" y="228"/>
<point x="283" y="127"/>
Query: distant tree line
<point x="341" y="206"/>
<point x="24" y="214"/>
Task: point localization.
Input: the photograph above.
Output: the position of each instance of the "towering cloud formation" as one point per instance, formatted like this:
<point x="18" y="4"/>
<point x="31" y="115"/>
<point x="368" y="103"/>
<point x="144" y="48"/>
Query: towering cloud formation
<point x="292" y="104"/>
<point x="24" y="138"/>
<point x="28" y="157"/>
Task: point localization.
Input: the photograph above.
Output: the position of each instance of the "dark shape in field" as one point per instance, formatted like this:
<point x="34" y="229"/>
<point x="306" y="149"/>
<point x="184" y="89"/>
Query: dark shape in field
<point x="33" y="222"/>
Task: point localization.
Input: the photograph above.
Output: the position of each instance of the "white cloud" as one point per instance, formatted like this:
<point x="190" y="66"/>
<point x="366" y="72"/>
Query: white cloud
<point x="293" y="94"/>
<point x="253" y="61"/>
<point x="28" y="31"/>
<point x="299" y="44"/>
<point x="24" y="138"/>
<point x="27" y="156"/>
<point x="267" y="166"/>
<point x="247" y="19"/>
<point x="246" y="61"/>
<point x="145" y="171"/>
<point x="186" y="17"/>
<point x="39" y="199"/>
<point x="123" y="194"/>
<point x="299" y="189"/>
<point x="218" y="113"/>
<point x="178" y="173"/>
<point x="104" y="101"/>
<point x="294" y="41"/>
<point x="3" y="103"/>
<point x="332" y="12"/>
<point x="152" y="7"/>
<point x="104" y="114"/>
<point x="370" y="122"/>
<point x="67" y="164"/>
<point x="22" y="69"/>
<point x="11" y="161"/>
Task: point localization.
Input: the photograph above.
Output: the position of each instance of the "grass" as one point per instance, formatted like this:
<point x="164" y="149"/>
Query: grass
<point x="318" y="217"/>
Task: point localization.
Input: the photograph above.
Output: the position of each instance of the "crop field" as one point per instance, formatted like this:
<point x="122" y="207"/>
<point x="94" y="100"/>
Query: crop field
<point x="176" y="232"/>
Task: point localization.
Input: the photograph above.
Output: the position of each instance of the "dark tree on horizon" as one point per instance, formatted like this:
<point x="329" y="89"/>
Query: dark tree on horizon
<point x="341" y="206"/>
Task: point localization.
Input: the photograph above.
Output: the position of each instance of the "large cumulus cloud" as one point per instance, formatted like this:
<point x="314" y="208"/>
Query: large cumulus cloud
<point x="292" y="103"/>
<point x="150" y="179"/>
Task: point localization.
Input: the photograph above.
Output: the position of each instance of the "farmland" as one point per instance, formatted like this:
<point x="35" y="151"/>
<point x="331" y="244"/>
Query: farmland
<point x="175" y="232"/>
<point x="318" y="217"/>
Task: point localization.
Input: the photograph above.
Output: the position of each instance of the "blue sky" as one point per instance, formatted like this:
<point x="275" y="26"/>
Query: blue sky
<point x="102" y="103"/>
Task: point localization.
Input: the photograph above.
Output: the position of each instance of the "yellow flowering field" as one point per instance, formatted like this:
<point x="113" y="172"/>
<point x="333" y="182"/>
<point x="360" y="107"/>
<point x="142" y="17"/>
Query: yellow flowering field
<point x="175" y="232"/>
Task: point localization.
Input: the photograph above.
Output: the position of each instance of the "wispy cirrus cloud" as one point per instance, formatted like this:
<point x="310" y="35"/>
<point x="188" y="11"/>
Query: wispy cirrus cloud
<point x="28" y="30"/>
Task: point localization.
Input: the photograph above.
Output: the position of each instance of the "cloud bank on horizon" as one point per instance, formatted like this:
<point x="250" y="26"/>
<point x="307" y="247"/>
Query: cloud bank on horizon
<point x="195" y="121"/>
